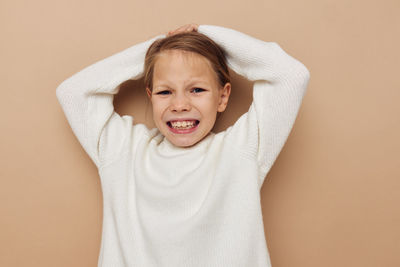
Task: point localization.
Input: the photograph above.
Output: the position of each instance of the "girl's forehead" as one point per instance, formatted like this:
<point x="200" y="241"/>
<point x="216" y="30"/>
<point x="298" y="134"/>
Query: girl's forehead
<point x="175" y="64"/>
<point x="186" y="57"/>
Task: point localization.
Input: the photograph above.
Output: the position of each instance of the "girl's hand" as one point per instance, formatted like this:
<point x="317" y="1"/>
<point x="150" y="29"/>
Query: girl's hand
<point x="185" y="28"/>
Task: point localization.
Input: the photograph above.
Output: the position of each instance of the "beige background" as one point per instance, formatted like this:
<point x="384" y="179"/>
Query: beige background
<point x="331" y="198"/>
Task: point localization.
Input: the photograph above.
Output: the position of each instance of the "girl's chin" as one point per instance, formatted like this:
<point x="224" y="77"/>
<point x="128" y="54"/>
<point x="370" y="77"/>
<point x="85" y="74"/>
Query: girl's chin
<point x="182" y="142"/>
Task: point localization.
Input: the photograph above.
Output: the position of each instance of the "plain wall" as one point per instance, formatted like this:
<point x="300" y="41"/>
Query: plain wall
<point x="331" y="198"/>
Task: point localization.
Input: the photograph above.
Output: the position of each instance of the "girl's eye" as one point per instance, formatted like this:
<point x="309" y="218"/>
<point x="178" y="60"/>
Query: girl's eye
<point x="165" y="92"/>
<point x="198" y="90"/>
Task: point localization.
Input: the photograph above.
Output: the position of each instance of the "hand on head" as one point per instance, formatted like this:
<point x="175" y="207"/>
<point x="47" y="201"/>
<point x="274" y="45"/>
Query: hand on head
<point x="185" y="28"/>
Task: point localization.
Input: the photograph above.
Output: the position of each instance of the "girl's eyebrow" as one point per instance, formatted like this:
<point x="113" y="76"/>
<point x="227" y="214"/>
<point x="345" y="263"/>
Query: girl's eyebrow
<point x="201" y="81"/>
<point x="161" y="86"/>
<point x="190" y="83"/>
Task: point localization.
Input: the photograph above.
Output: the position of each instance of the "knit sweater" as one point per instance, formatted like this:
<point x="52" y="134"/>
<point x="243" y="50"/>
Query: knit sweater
<point x="169" y="206"/>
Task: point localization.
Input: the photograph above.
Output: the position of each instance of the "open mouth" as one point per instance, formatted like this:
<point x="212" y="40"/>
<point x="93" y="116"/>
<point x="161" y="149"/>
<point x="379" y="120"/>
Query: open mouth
<point x="183" y="125"/>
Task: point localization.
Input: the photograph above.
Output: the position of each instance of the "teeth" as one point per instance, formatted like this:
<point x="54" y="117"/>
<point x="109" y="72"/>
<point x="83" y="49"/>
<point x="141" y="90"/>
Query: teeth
<point x="183" y="124"/>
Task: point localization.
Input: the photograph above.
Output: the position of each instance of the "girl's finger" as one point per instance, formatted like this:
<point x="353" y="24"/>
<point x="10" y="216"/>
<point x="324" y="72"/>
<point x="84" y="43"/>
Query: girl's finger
<point x="192" y="27"/>
<point x="185" y="28"/>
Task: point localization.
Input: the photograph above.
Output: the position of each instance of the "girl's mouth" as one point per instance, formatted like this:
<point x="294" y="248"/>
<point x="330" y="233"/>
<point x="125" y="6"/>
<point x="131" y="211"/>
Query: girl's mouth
<point x="183" y="127"/>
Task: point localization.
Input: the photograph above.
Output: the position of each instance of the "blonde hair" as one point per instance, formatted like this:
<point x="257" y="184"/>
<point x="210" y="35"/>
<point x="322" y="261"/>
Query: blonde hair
<point x="190" y="42"/>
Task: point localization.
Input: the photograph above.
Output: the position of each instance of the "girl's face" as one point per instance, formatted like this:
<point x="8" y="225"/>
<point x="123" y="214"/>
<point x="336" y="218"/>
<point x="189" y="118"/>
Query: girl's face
<point x="186" y="96"/>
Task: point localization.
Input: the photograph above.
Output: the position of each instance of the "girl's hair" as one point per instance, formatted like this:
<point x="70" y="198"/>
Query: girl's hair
<point x="191" y="42"/>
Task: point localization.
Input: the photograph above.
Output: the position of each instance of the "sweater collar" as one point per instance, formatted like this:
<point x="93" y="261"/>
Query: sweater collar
<point x="167" y="148"/>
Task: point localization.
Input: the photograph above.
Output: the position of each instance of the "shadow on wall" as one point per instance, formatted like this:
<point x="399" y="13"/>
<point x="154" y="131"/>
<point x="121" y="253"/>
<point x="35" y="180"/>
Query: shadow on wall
<point x="132" y="100"/>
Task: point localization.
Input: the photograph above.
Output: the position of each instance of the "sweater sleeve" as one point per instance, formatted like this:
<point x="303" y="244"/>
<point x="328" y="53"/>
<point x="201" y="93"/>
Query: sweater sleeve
<point x="87" y="101"/>
<point x="280" y="82"/>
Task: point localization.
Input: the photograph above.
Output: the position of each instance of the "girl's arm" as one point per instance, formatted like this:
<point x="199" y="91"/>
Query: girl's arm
<point x="279" y="87"/>
<point x="87" y="101"/>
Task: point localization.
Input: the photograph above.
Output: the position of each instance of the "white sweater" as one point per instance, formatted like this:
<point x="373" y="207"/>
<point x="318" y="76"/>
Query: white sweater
<point x="168" y="206"/>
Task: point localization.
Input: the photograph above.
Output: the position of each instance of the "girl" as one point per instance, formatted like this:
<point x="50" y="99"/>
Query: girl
<point x="180" y="195"/>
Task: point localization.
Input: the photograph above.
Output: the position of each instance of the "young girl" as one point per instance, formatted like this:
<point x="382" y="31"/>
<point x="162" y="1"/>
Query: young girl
<point x="180" y="195"/>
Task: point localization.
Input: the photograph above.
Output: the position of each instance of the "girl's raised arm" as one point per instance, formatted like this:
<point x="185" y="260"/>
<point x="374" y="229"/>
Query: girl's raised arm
<point x="87" y="101"/>
<point x="279" y="87"/>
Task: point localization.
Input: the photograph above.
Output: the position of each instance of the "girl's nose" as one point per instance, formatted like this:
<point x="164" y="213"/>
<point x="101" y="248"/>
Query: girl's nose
<point x="180" y="103"/>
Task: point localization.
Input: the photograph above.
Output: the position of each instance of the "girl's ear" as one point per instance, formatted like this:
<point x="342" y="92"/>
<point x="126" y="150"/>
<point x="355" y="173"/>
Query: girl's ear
<point x="224" y="94"/>
<point x="148" y="91"/>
